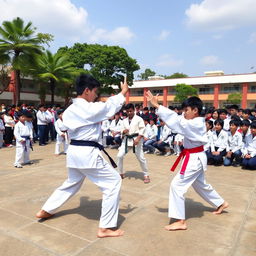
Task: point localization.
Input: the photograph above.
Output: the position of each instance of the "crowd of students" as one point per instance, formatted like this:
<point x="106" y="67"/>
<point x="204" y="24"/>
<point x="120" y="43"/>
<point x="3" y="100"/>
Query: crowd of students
<point x="230" y="135"/>
<point x="230" y="132"/>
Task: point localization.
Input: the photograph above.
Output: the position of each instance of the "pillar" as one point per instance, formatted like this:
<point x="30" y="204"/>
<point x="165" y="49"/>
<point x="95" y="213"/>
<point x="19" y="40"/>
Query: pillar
<point x="244" y="94"/>
<point x="165" y="94"/>
<point x="145" y="102"/>
<point x="216" y="95"/>
<point x="127" y="97"/>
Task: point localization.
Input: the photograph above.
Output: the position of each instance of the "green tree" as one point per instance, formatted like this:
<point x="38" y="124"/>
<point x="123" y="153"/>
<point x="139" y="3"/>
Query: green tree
<point x="54" y="69"/>
<point x="183" y="91"/>
<point x="234" y="98"/>
<point x="19" y="44"/>
<point x="4" y="78"/>
<point x="108" y="64"/>
<point x="176" y="75"/>
<point x="148" y="72"/>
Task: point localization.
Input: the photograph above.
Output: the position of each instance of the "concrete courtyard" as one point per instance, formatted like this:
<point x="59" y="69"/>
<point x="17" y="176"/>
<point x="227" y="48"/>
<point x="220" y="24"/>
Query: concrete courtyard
<point x="143" y="212"/>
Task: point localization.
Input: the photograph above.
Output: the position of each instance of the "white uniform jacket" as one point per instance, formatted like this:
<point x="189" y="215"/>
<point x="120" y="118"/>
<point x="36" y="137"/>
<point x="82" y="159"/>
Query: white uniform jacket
<point x="136" y="125"/>
<point x="235" y="142"/>
<point x="151" y="132"/>
<point x="226" y="126"/>
<point x="60" y="127"/>
<point x="21" y="129"/>
<point x="193" y="130"/>
<point x="83" y="120"/>
<point x="250" y="145"/>
<point x="165" y="133"/>
<point x="220" y="141"/>
<point x="209" y="139"/>
<point x="116" y="127"/>
<point x="42" y="118"/>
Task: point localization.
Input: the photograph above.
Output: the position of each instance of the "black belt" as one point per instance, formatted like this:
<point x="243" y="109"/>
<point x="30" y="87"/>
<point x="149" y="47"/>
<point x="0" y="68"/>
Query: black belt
<point x="126" y="141"/>
<point x="30" y="144"/>
<point x="93" y="144"/>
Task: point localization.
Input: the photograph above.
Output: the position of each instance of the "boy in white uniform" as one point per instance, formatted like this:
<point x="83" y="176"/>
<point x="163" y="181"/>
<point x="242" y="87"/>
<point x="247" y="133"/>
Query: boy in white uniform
<point x="62" y="137"/>
<point x="24" y="136"/>
<point x="84" y="159"/>
<point x="2" y="128"/>
<point x="192" y="126"/>
<point x="132" y="129"/>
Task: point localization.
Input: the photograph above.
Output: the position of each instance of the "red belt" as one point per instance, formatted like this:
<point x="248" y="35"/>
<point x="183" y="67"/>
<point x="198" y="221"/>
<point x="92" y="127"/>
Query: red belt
<point x="185" y="154"/>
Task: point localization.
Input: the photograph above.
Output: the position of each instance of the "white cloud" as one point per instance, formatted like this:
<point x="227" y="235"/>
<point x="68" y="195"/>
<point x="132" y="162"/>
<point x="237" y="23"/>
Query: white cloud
<point x="221" y="15"/>
<point x="61" y="18"/>
<point x="168" y="61"/>
<point x="118" y="35"/>
<point x="210" y="60"/>
<point x="252" y="39"/>
<point x="163" y="35"/>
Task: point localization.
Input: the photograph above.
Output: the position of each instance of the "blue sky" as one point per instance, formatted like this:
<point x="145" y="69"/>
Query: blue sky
<point x="189" y="36"/>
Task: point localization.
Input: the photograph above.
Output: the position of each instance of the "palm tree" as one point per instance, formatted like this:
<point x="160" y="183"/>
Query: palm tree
<point x="18" y="45"/>
<point x="55" y="68"/>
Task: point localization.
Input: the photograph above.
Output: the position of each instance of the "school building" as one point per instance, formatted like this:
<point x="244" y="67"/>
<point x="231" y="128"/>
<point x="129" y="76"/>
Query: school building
<point x="213" y="89"/>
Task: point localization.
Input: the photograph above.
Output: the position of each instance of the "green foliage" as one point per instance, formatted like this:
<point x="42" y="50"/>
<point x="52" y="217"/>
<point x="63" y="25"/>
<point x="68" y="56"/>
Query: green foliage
<point x="176" y="75"/>
<point x="108" y="64"/>
<point x="4" y="78"/>
<point x="55" y="70"/>
<point x="234" y="98"/>
<point x="148" y="72"/>
<point x="183" y="91"/>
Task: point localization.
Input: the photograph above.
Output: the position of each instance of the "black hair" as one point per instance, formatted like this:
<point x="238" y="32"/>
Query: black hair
<point x="235" y="122"/>
<point x="193" y="102"/>
<point x="210" y="122"/>
<point x="124" y="114"/>
<point x="86" y="81"/>
<point x="20" y="113"/>
<point x="222" y="110"/>
<point x="234" y="107"/>
<point x="245" y="123"/>
<point x="129" y="105"/>
<point x="60" y="111"/>
<point x="220" y="122"/>
<point x="41" y="105"/>
<point x="253" y="125"/>
<point x="247" y="111"/>
<point x="146" y="108"/>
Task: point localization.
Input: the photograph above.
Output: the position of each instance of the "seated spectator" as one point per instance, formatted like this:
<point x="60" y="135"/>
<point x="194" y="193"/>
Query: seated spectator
<point x="209" y="127"/>
<point x="215" y="115"/>
<point x="245" y="128"/>
<point x="150" y="136"/>
<point x="162" y="146"/>
<point x="246" y="114"/>
<point x="249" y="149"/>
<point x="223" y="115"/>
<point x="178" y="144"/>
<point x="234" y="145"/>
<point x="115" y="131"/>
<point x="218" y="144"/>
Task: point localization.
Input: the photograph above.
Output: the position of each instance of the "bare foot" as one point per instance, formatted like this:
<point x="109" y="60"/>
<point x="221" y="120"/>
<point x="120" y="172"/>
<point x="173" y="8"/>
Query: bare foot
<point x="221" y="208"/>
<point x="109" y="232"/>
<point x="146" y="179"/>
<point x="122" y="176"/>
<point x="178" y="225"/>
<point x="43" y="215"/>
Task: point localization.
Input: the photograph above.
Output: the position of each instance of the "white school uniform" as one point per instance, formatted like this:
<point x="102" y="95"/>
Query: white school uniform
<point x="1" y="132"/>
<point x="22" y="145"/>
<point x="116" y="127"/>
<point x="151" y="132"/>
<point x="226" y="126"/>
<point x="83" y="120"/>
<point x="177" y="148"/>
<point x="209" y="140"/>
<point x="136" y="125"/>
<point x="62" y="137"/>
<point x="165" y="134"/>
<point x="235" y="142"/>
<point x="249" y="146"/>
<point x="193" y="131"/>
<point x="105" y="132"/>
<point x="220" y="141"/>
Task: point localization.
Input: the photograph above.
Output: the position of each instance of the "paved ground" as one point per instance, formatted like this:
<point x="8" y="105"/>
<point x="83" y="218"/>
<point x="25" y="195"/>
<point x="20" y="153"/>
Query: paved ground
<point x="143" y="212"/>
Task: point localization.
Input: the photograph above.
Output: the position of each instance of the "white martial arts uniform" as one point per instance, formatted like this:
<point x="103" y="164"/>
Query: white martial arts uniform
<point x="22" y="144"/>
<point x="194" y="136"/>
<point x="1" y="132"/>
<point x="208" y="136"/>
<point x="115" y="126"/>
<point x="105" y="131"/>
<point x="62" y="137"/>
<point x="220" y="141"/>
<point x="136" y="125"/>
<point x="83" y="120"/>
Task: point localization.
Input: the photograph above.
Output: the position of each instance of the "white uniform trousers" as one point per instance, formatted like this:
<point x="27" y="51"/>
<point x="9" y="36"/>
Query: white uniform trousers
<point x="60" y="140"/>
<point x="105" y="177"/>
<point x="22" y="155"/>
<point x="179" y="186"/>
<point x="139" y="154"/>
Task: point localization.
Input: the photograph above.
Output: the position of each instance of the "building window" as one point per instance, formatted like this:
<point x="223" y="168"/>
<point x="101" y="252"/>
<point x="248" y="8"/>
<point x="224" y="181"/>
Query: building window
<point x="137" y="93"/>
<point x="231" y="89"/>
<point x="252" y="88"/>
<point x="159" y="92"/>
<point x="207" y="90"/>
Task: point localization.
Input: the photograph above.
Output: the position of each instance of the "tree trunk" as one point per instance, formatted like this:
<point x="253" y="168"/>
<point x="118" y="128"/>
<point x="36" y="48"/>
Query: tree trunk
<point x="52" y="87"/>
<point x="17" y="83"/>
